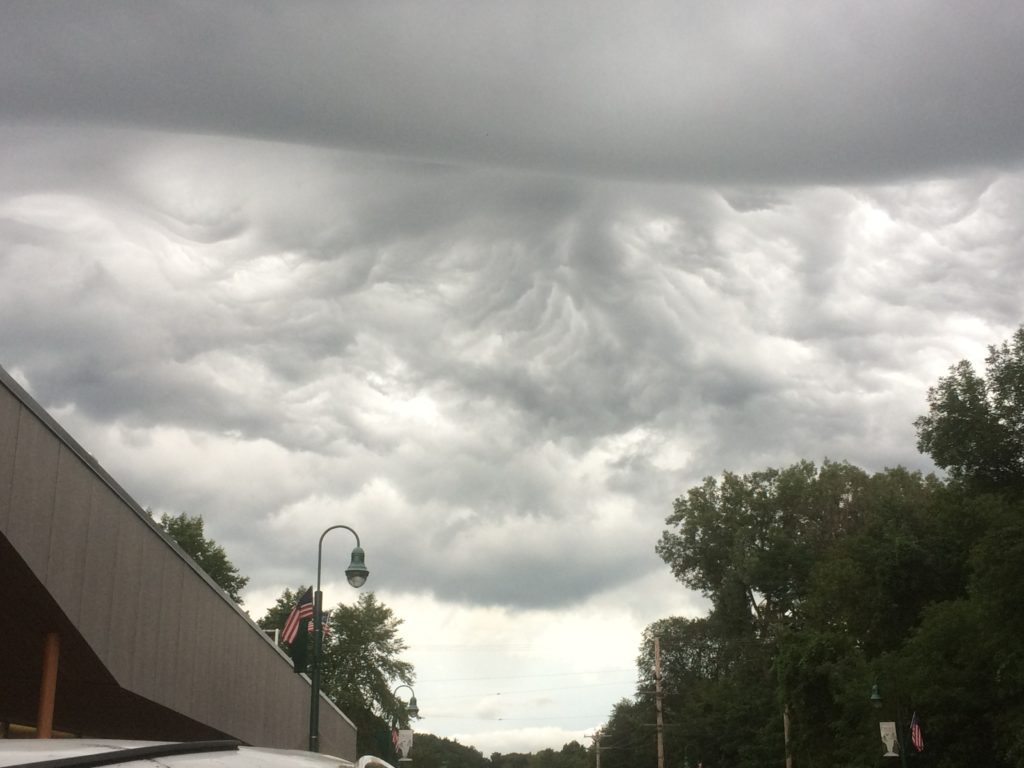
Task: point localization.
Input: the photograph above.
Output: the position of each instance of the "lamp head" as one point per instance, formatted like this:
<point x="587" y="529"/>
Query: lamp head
<point x="357" y="573"/>
<point x="413" y="710"/>
<point x="876" y="697"/>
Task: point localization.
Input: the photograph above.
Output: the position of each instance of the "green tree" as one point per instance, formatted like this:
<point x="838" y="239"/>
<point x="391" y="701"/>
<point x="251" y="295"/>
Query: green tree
<point x="360" y="665"/>
<point x="275" y="618"/>
<point x="813" y="574"/>
<point x="277" y="614"/>
<point x="975" y="424"/>
<point x="718" y="693"/>
<point x="826" y="680"/>
<point x="964" y="663"/>
<point x="965" y="660"/>
<point x="187" y="532"/>
<point x="573" y="755"/>
<point x="510" y="760"/>
<point x="996" y="587"/>
<point x="905" y="545"/>
<point x="437" y="752"/>
<point x="628" y="739"/>
<point x="749" y="543"/>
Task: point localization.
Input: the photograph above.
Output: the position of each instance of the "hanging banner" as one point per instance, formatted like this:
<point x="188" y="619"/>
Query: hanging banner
<point x="404" y="743"/>
<point x="889" y="739"/>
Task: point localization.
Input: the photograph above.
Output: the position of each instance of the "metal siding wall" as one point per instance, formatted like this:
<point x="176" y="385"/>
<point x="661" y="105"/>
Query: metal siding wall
<point x="217" y="660"/>
<point x="209" y="659"/>
<point x="241" y="668"/>
<point x="183" y="694"/>
<point x="33" y="492"/>
<point x="10" y="410"/>
<point x="124" y="607"/>
<point x="148" y="596"/>
<point x="336" y="734"/>
<point x="65" y="573"/>
<point x="99" y="609"/>
<point x="167" y="664"/>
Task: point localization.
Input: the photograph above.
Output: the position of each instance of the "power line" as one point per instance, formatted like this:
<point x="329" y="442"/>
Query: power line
<point x="518" y="719"/>
<point x="524" y="677"/>
<point x="528" y="690"/>
<point x="463" y="646"/>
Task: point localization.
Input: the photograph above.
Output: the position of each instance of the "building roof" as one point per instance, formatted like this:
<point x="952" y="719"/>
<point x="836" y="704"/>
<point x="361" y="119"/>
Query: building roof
<point x="150" y="646"/>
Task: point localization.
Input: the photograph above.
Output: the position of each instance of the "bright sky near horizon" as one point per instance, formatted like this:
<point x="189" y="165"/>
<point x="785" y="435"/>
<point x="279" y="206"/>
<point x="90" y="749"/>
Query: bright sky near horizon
<point x="493" y="283"/>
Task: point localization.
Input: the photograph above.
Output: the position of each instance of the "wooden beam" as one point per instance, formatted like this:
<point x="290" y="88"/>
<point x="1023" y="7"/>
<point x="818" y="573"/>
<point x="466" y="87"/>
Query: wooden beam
<point x="48" y="686"/>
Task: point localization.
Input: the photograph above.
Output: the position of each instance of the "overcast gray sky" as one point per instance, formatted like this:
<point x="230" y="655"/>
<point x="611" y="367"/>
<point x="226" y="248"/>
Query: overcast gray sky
<point x="493" y="283"/>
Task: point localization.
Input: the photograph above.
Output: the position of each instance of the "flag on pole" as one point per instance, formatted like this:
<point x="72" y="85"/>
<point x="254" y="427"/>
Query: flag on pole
<point x="303" y="610"/>
<point x="916" y="737"/>
<point x="300" y="649"/>
<point x="325" y="624"/>
<point x="325" y="630"/>
<point x="295" y="633"/>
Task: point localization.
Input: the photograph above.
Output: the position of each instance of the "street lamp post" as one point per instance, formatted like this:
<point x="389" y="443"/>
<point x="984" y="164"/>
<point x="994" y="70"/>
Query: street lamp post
<point x="901" y="736"/>
<point x="412" y="709"/>
<point x="356" y="573"/>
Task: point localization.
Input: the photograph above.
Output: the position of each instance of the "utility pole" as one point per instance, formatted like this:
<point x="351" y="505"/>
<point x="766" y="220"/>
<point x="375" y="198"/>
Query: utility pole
<point x="657" y="703"/>
<point x="785" y="735"/>
<point x="597" y="746"/>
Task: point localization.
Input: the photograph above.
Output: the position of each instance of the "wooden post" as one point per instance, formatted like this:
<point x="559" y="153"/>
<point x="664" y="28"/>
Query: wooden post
<point x="48" y="686"/>
<point x="785" y="735"/>
<point x="657" y="703"/>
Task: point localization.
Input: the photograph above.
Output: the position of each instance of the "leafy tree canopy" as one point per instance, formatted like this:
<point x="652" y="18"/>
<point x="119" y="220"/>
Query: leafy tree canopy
<point x="627" y="739"/>
<point x="974" y="427"/>
<point x="438" y="752"/>
<point x="277" y="614"/>
<point x="819" y="579"/>
<point x="362" y="659"/>
<point x="187" y="532"/>
<point x="360" y="666"/>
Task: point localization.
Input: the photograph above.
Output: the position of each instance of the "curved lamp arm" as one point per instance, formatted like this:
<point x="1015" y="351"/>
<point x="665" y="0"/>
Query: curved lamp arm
<point x="356" y="573"/>
<point x="413" y="710"/>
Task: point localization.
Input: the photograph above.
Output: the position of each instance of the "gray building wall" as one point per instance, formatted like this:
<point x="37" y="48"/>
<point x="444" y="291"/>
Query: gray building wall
<point x="159" y="626"/>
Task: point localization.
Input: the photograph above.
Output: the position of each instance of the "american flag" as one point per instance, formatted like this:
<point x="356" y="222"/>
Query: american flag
<point x="916" y="738"/>
<point x="325" y="624"/>
<point x="302" y="610"/>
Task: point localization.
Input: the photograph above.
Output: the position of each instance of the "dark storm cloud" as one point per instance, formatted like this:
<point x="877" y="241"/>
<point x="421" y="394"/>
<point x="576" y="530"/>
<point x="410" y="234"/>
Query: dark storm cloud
<point x="748" y="92"/>
<point x="555" y="302"/>
<point x="502" y="357"/>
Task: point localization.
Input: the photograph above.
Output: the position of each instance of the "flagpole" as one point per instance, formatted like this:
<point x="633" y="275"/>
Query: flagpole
<point x="356" y="573"/>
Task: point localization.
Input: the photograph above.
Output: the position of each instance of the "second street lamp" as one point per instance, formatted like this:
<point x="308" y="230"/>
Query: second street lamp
<point x="356" y="573"/>
<point x="412" y="711"/>
<point x="902" y="739"/>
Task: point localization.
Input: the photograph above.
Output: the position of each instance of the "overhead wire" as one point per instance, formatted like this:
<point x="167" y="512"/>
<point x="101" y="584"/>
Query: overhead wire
<point x="523" y="677"/>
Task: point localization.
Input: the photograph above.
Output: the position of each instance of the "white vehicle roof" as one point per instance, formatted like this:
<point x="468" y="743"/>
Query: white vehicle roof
<point x="82" y="753"/>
